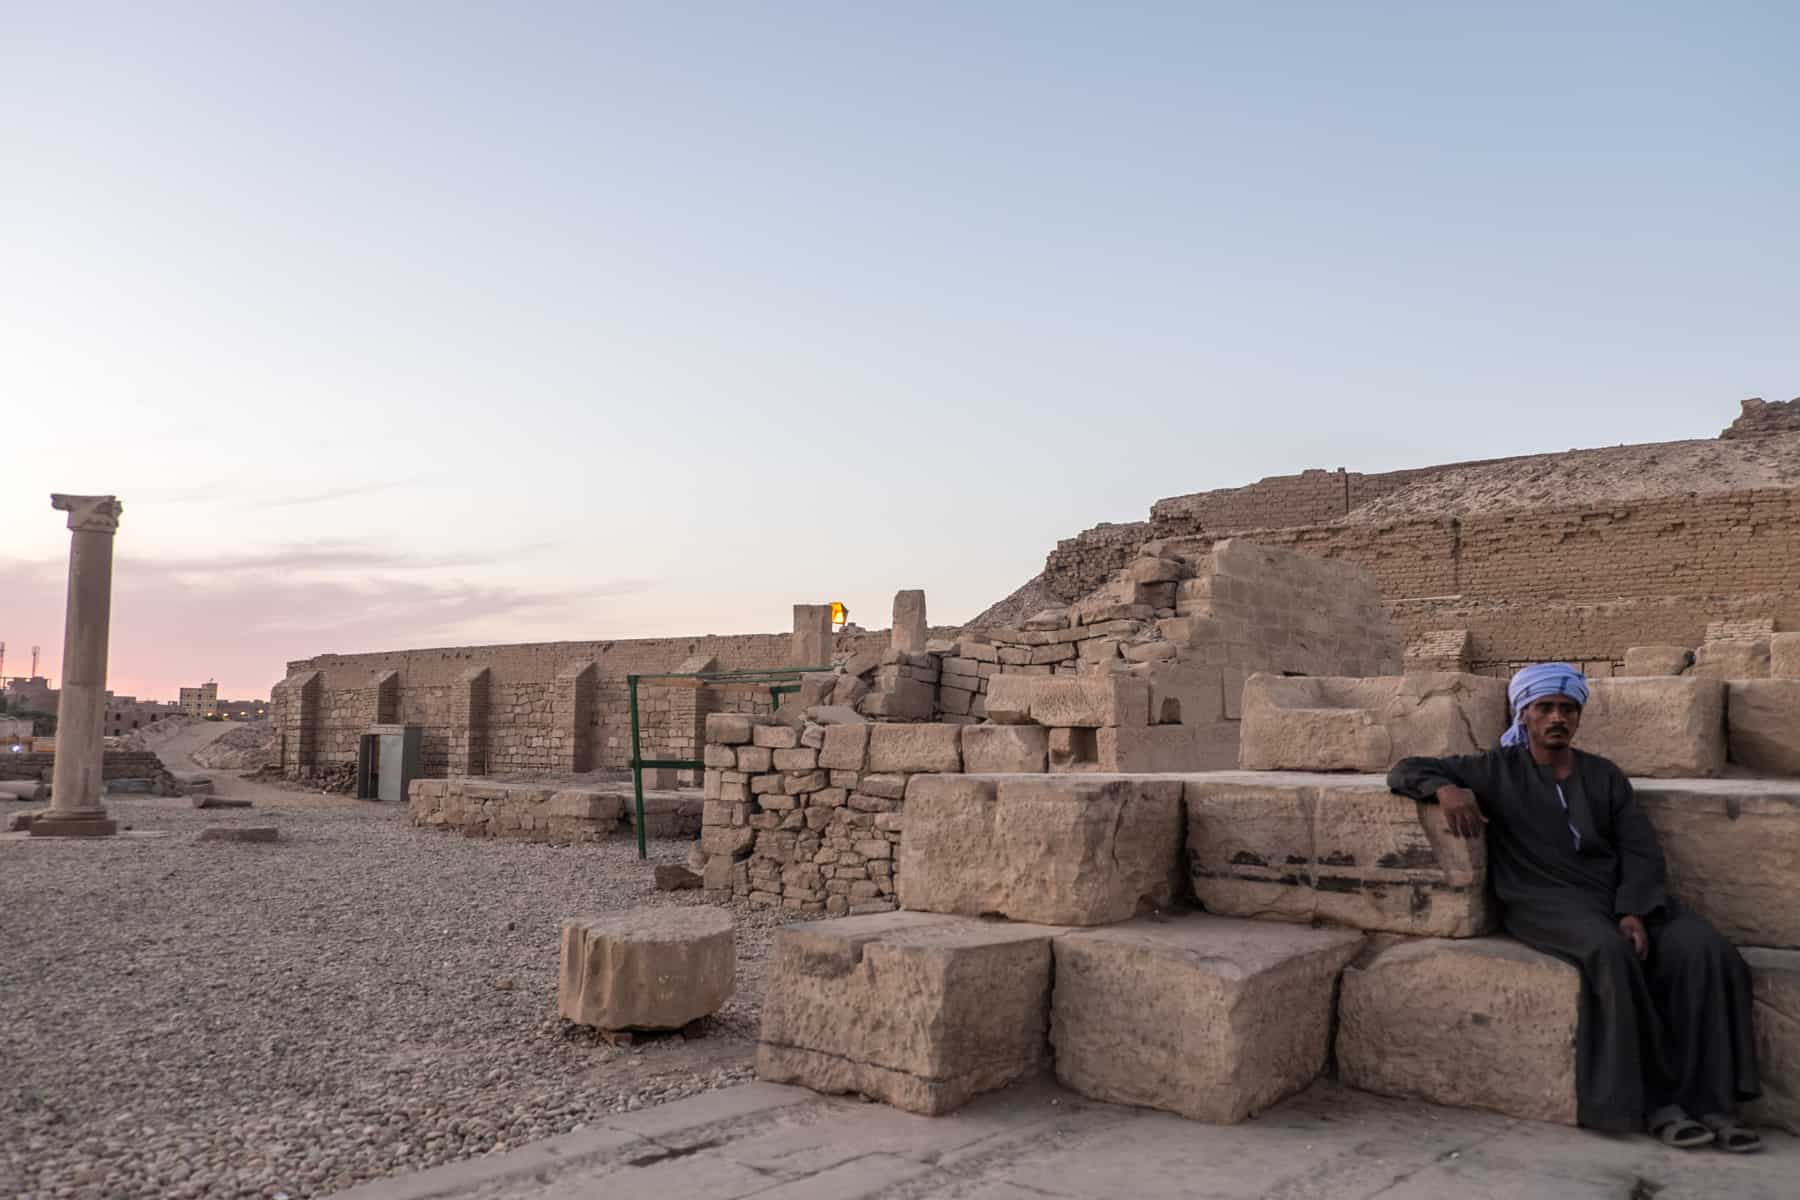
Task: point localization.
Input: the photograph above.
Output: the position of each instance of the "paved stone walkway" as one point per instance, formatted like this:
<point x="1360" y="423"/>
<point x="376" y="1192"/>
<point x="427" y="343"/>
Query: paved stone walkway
<point x="1037" y="1141"/>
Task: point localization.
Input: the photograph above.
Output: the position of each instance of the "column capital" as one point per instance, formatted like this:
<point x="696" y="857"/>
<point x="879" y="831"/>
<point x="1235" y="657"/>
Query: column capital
<point x="89" y="514"/>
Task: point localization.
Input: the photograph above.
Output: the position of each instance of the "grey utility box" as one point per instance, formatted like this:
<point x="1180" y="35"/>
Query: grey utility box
<point x="388" y="759"/>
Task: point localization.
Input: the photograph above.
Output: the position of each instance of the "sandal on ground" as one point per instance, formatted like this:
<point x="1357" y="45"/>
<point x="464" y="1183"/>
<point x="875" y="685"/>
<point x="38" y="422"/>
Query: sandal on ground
<point x="1683" y="1133"/>
<point x="1732" y="1136"/>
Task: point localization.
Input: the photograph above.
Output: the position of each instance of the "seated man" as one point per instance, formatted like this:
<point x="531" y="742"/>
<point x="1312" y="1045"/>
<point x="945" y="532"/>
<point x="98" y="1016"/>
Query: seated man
<point x="1664" y="1036"/>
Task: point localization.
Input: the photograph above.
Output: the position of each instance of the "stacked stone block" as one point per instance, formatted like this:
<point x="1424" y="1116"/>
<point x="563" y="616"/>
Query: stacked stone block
<point x="809" y="817"/>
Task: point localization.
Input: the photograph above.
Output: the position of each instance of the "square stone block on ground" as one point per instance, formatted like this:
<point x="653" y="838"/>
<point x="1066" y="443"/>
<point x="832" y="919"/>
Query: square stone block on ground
<point x="1733" y="852"/>
<point x="1302" y="847"/>
<point x="919" y="1010"/>
<point x="646" y="968"/>
<point x="1056" y="849"/>
<point x="1669" y="727"/>
<point x="1775" y="975"/>
<point x="1478" y="1023"/>
<point x="1208" y="1017"/>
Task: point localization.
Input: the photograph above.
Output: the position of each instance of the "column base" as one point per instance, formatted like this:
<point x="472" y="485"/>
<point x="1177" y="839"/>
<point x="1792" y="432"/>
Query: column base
<point x="51" y="825"/>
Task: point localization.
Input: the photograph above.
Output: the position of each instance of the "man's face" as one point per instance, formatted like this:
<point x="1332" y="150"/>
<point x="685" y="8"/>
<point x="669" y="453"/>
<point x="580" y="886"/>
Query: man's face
<point x="1552" y="721"/>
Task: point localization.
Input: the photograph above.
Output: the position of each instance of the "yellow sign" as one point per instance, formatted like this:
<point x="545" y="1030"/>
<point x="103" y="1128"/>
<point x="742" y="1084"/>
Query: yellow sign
<point x="840" y="616"/>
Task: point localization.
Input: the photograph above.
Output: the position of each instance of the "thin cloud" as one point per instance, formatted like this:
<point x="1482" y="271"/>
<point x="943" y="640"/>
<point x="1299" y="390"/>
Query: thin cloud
<point x="343" y="493"/>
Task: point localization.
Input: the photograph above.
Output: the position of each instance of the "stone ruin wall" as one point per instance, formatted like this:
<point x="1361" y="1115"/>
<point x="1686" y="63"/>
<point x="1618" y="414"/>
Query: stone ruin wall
<point x="530" y="707"/>
<point x="1582" y="583"/>
<point x="1082" y="563"/>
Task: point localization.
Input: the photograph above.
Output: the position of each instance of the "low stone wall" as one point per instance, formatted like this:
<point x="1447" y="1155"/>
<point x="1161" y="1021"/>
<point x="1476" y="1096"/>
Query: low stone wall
<point x="480" y="808"/>
<point x="117" y="764"/>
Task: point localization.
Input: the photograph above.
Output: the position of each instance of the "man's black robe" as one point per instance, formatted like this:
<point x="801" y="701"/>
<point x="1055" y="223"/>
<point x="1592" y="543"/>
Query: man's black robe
<point x="1674" y="1029"/>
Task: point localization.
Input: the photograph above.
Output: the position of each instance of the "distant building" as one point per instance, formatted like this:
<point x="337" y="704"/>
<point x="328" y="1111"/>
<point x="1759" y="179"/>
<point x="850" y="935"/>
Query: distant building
<point x="31" y="695"/>
<point x="126" y="713"/>
<point x="242" y="710"/>
<point x="15" y="734"/>
<point x="199" y="701"/>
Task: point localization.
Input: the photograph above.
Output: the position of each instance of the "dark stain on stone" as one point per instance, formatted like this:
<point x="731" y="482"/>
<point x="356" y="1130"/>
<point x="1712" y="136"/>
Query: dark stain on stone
<point x="1411" y="859"/>
<point x="1339" y="859"/>
<point x="1243" y="858"/>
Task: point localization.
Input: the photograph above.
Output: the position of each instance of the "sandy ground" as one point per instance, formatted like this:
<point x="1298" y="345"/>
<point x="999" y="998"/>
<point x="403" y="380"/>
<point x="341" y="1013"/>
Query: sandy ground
<point x="359" y="999"/>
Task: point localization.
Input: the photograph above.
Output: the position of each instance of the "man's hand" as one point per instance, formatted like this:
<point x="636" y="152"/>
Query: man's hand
<point x="1461" y="813"/>
<point x="1637" y="935"/>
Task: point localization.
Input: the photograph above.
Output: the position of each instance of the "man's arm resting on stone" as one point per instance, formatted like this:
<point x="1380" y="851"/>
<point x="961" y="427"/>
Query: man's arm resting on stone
<point x="1454" y="783"/>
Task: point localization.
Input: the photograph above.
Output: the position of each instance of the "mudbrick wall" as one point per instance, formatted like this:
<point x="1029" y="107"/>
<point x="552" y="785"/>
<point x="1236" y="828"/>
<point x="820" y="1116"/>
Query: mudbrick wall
<point x="1581" y="584"/>
<point x="1080" y="564"/>
<point x="549" y="706"/>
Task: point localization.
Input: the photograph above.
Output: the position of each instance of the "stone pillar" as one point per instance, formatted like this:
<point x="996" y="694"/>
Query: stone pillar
<point x="811" y="646"/>
<point x="75" y="808"/>
<point x="909" y="621"/>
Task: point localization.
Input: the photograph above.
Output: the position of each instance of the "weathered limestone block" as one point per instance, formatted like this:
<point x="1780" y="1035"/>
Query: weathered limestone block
<point x="1004" y="749"/>
<point x="1775" y="975"/>
<point x="909" y="621"/>
<point x="1657" y="660"/>
<point x="1163" y="749"/>
<point x="1484" y="1023"/>
<point x="914" y="748"/>
<point x="646" y="968"/>
<point x="1733" y="658"/>
<point x="1784" y="656"/>
<point x="917" y="1010"/>
<point x="1080" y="701"/>
<point x="728" y="729"/>
<point x="1055" y="849"/>
<point x="846" y="747"/>
<point x="1328" y="723"/>
<point x="1762" y="721"/>
<point x="1666" y="728"/>
<point x="1297" y="847"/>
<point x="1733" y="852"/>
<point x="1208" y="1017"/>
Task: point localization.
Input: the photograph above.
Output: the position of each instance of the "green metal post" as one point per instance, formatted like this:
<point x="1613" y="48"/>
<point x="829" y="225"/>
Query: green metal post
<point x="637" y="766"/>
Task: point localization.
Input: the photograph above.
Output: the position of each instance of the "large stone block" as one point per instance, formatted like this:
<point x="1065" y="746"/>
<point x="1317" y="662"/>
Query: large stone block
<point x="1079" y="701"/>
<point x="1657" y="660"/>
<point x="1055" y="849"/>
<point x="1776" y="979"/>
<point x="1657" y="727"/>
<point x="1327" y="723"/>
<point x="909" y="633"/>
<point x="918" y="1010"/>
<point x="1784" y="656"/>
<point x="1733" y="852"/>
<point x="1733" y="658"/>
<point x="1295" y="847"/>
<point x="1483" y="1023"/>
<point x="907" y="749"/>
<point x="646" y="968"/>
<point x="1164" y="749"/>
<point x="1762" y="722"/>
<point x="1208" y="1017"/>
<point x="1004" y="749"/>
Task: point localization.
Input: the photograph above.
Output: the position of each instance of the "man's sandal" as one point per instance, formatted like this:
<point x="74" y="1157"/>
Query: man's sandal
<point x="1683" y="1133"/>
<point x="1732" y="1136"/>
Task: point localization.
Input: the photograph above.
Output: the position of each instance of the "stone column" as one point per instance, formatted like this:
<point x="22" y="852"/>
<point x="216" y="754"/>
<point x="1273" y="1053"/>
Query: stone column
<point x="909" y="621"/>
<point x="75" y="809"/>
<point x="812" y="642"/>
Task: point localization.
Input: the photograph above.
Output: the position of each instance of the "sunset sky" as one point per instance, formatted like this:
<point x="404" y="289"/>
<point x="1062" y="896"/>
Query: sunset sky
<point x="413" y="324"/>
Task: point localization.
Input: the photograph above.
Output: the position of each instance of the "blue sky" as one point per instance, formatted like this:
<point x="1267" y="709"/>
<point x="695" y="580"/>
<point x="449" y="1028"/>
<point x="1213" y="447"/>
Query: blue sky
<point x="414" y="324"/>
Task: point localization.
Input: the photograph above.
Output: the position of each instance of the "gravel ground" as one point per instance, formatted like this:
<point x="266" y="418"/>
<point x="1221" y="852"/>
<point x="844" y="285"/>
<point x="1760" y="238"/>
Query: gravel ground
<point x="361" y="999"/>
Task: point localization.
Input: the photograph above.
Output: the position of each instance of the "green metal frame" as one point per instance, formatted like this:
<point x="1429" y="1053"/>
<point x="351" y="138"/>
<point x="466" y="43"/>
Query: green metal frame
<point x="778" y="679"/>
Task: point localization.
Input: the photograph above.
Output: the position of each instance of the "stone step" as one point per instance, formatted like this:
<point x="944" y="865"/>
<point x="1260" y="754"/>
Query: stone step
<point x="919" y="1010"/>
<point x="1209" y="1017"/>
<point x="1341" y="848"/>
<point x="1733" y="852"/>
<point x="1333" y="723"/>
<point x="1085" y="849"/>
<point x="1490" y="1023"/>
